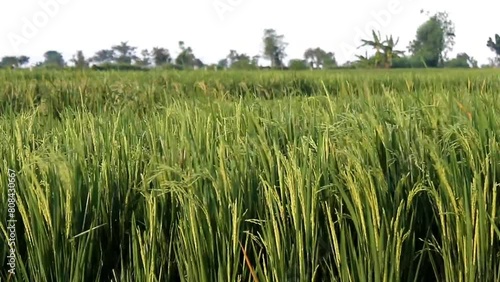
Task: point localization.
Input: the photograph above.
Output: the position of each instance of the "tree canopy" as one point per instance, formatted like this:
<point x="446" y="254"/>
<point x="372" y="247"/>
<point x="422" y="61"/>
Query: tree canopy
<point x="434" y="39"/>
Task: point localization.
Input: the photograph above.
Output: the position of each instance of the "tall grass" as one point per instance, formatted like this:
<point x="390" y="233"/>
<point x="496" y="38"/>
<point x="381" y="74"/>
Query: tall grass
<point x="354" y="176"/>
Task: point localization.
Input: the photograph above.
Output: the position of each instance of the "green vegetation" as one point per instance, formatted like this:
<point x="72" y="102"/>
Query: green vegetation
<point x="434" y="40"/>
<point x="252" y="176"/>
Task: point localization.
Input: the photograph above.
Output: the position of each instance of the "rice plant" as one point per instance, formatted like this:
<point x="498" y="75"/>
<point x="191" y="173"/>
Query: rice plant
<point x="247" y="176"/>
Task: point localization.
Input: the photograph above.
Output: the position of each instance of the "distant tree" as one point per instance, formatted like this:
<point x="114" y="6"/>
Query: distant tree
<point x="223" y="64"/>
<point x="429" y="44"/>
<point x="10" y="61"/>
<point x="311" y="58"/>
<point x="389" y="53"/>
<point x="161" y="56"/>
<point x="494" y="46"/>
<point x="384" y="51"/>
<point x="319" y="58"/>
<point x="244" y="64"/>
<point x="53" y="59"/>
<point x="232" y="57"/>
<point x="198" y="63"/>
<point x="23" y="60"/>
<point x="298" y="64"/>
<point x="274" y="48"/>
<point x="434" y="39"/>
<point x="186" y="58"/>
<point x="145" y="59"/>
<point x="348" y="65"/>
<point x="365" y="61"/>
<point x="255" y="60"/>
<point x="329" y="61"/>
<point x="463" y="60"/>
<point x="407" y="62"/>
<point x="124" y="53"/>
<point x="234" y="60"/>
<point x="79" y="60"/>
<point x="376" y="44"/>
<point x="104" y="56"/>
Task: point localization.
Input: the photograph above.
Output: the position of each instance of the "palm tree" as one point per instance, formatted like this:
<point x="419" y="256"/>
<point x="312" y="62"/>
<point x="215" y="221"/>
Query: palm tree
<point x="495" y="46"/>
<point x="364" y="61"/>
<point x="384" y="50"/>
<point x="389" y="52"/>
<point x="376" y="44"/>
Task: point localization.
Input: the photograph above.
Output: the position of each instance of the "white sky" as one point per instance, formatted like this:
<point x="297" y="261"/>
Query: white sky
<point x="338" y="26"/>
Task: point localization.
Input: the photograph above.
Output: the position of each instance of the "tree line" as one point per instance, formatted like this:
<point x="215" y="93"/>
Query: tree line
<point x="433" y="41"/>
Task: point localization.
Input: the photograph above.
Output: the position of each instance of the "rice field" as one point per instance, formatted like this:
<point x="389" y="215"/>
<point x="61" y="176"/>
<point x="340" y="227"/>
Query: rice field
<point x="251" y="176"/>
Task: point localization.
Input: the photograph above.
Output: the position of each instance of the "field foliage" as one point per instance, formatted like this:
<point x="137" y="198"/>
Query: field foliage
<point x="252" y="176"/>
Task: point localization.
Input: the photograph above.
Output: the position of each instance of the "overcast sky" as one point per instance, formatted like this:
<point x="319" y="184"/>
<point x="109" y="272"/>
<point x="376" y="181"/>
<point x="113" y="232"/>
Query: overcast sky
<point x="213" y="27"/>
